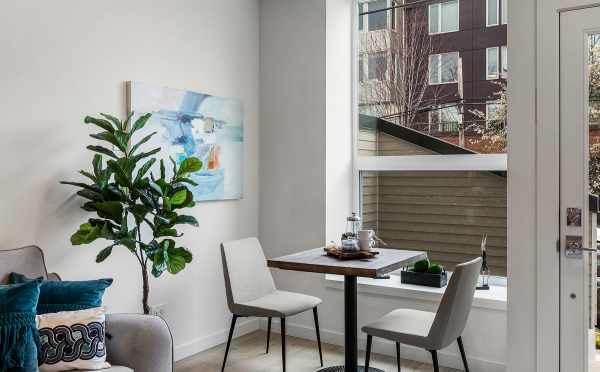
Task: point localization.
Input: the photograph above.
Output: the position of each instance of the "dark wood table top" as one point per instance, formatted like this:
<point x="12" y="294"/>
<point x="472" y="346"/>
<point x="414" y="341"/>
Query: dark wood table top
<point x="316" y="261"/>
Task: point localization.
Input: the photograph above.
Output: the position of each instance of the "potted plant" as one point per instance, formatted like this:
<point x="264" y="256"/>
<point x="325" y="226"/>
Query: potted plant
<point x="425" y="273"/>
<point x="133" y="207"/>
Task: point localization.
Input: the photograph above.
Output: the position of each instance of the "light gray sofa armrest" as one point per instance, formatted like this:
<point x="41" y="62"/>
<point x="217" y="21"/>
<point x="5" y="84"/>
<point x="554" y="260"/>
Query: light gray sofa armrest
<point x="140" y="342"/>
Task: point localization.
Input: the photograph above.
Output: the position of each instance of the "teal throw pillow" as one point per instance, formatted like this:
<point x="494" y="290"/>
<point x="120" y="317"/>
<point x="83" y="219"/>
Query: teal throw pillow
<point x="19" y="338"/>
<point x="58" y="296"/>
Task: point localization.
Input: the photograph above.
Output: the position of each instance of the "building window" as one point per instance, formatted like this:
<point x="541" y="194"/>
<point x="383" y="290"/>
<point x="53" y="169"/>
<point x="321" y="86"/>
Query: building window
<point x="492" y="62"/>
<point x="493" y="12"/>
<point x="444" y="119"/>
<point x="504" y="11"/>
<point x="443" y="68"/>
<point x="377" y="20"/>
<point x="497" y="62"/>
<point x="443" y="17"/>
<point x="377" y="66"/>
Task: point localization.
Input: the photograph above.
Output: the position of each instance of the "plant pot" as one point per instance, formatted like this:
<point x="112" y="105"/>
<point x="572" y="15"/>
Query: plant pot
<point x="425" y="279"/>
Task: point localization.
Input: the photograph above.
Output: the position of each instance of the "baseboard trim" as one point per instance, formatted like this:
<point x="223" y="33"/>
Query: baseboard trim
<point x="204" y="343"/>
<point x="446" y="359"/>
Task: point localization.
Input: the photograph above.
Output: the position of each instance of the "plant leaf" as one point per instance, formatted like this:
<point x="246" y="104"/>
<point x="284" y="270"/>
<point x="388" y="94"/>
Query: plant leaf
<point x="181" y="252"/>
<point x="186" y="180"/>
<point x="91" y="195"/>
<point x="189" y="165"/>
<point x="141" y="142"/>
<point x="162" y="169"/>
<point x="122" y="139"/>
<point x="104" y="124"/>
<point x="110" y="209"/>
<point x="120" y="175"/>
<point x="85" y="235"/>
<point x="142" y="155"/>
<point x="103" y="255"/>
<point x="175" y="264"/>
<point x="102" y="150"/>
<point x="117" y="123"/>
<point x="140" y="122"/>
<point x="112" y="139"/>
<point x="189" y="220"/>
<point x="167" y="232"/>
<point x="179" y="197"/>
<point x="144" y="169"/>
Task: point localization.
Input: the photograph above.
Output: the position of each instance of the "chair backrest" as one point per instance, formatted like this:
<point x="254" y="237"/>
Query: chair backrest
<point x="247" y="276"/>
<point x="455" y="307"/>
<point x="28" y="261"/>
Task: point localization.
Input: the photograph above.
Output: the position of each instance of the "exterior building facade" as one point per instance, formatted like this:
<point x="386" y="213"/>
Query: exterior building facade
<point x="435" y="66"/>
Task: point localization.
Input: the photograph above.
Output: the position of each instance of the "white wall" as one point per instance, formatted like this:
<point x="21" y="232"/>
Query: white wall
<point x="64" y="59"/>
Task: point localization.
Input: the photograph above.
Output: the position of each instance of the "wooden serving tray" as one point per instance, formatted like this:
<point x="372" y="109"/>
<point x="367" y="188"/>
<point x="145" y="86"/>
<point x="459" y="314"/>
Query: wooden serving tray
<point x="342" y="255"/>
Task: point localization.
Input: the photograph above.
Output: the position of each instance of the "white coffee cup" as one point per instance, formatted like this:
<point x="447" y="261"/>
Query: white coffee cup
<point x="365" y="239"/>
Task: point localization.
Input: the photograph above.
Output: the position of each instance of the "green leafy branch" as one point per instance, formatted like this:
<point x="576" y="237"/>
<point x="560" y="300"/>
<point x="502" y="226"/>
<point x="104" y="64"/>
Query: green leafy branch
<point x="125" y="195"/>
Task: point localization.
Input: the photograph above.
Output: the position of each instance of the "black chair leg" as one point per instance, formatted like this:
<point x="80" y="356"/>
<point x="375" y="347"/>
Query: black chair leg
<point x="229" y="341"/>
<point x="434" y="357"/>
<point x="368" y="356"/>
<point x="316" y="316"/>
<point x="462" y="353"/>
<point x="398" y="355"/>
<point x="283" y="342"/>
<point x="268" y="334"/>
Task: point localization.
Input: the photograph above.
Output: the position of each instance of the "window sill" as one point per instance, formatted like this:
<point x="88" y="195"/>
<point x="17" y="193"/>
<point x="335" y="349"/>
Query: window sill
<point x="494" y="299"/>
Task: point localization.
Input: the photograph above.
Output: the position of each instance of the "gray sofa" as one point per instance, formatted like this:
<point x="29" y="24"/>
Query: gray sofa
<point x="141" y="343"/>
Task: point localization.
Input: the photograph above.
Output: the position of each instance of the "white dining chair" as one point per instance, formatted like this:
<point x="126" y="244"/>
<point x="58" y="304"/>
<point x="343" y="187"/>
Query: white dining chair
<point x="431" y="331"/>
<point x="251" y="292"/>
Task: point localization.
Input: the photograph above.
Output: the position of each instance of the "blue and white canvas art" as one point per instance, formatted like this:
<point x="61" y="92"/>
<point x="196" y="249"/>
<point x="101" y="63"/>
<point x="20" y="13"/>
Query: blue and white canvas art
<point x="195" y="124"/>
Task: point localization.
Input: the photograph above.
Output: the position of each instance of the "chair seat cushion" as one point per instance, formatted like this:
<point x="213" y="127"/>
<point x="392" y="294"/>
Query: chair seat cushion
<point x="277" y="304"/>
<point x="111" y="369"/>
<point x="406" y="326"/>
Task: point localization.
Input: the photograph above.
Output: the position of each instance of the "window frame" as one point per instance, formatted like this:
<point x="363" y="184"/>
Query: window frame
<point x="489" y="76"/>
<point x="439" y="20"/>
<point x="503" y="11"/>
<point x="487" y="13"/>
<point x="440" y="69"/>
<point x="390" y="20"/>
<point x="474" y="162"/>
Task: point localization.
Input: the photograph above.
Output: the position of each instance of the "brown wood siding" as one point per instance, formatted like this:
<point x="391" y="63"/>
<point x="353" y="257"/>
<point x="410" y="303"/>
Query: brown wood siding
<point x="443" y="213"/>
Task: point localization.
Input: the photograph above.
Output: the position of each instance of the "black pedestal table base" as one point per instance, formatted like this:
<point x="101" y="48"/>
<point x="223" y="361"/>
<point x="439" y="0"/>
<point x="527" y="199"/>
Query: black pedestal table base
<point x="342" y="369"/>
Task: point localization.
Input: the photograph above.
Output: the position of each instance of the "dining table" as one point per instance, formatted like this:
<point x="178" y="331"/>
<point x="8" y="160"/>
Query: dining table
<point x="317" y="261"/>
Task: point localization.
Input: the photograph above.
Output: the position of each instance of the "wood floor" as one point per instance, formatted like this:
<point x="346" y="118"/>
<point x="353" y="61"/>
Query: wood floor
<point x="247" y="354"/>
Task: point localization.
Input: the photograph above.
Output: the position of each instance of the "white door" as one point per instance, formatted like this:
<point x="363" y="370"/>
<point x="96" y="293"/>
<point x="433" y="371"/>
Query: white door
<point x="579" y="42"/>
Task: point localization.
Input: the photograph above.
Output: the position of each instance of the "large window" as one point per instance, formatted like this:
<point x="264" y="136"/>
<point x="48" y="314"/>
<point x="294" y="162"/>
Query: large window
<point x="430" y="156"/>
<point x="443" y="17"/>
<point x="443" y="68"/>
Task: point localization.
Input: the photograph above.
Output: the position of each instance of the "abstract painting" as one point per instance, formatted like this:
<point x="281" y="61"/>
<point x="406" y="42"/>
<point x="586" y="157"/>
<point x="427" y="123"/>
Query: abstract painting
<point x="195" y="124"/>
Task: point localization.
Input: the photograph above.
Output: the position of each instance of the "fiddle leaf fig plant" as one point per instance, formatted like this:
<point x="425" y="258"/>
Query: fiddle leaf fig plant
<point x="134" y="208"/>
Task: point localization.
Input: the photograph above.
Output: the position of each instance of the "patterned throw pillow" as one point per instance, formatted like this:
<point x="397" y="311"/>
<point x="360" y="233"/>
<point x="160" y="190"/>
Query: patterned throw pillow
<point x="72" y="340"/>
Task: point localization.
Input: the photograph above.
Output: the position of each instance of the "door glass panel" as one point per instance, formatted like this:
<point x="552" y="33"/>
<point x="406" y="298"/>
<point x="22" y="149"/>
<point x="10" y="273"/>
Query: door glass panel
<point x="594" y="112"/>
